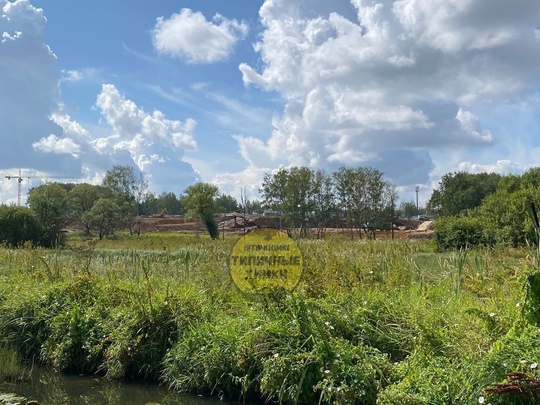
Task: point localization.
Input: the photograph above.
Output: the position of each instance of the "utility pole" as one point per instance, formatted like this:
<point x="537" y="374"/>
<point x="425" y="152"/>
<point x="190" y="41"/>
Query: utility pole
<point x="19" y="179"/>
<point x="417" y="208"/>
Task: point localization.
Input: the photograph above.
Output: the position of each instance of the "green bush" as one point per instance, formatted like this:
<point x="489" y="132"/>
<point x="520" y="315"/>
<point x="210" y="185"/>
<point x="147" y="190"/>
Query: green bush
<point x="19" y="225"/>
<point x="531" y="307"/>
<point x="518" y="352"/>
<point x="455" y="233"/>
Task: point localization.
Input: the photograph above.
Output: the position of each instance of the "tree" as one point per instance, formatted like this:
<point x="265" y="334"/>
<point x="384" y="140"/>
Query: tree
<point x="169" y="203"/>
<point x="81" y="199"/>
<point x="108" y="215"/>
<point x="122" y="181"/>
<point x="407" y="209"/>
<point x="324" y="201"/>
<point x="252" y="206"/>
<point x="388" y="214"/>
<point x="362" y="194"/>
<point x="128" y="190"/>
<point x="300" y="197"/>
<point x="505" y="216"/>
<point x="141" y="192"/>
<point x="199" y="199"/>
<point x="290" y="193"/>
<point x="48" y="201"/>
<point x="461" y="191"/>
<point x="226" y="203"/>
<point x="19" y="225"/>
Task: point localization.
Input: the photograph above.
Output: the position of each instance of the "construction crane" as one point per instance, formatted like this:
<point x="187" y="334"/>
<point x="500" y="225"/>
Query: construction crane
<point x="20" y="179"/>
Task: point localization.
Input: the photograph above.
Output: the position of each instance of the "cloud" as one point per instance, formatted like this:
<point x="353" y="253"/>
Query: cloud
<point x="156" y="144"/>
<point x="53" y="144"/>
<point x="29" y="94"/>
<point x="188" y="35"/>
<point x="392" y="83"/>
<point x="72" y="75"/>
<point x="41" y="140"/>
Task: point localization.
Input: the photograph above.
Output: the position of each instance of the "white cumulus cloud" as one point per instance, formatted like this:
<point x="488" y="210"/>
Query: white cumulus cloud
<point x="190" y="36"/>
<point x="155" y="143"/>
<point x="390" y="83"/>
<point x="53" y="144"/>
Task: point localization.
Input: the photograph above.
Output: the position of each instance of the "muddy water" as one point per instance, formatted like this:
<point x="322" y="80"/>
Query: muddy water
<point x="50" y="388"/>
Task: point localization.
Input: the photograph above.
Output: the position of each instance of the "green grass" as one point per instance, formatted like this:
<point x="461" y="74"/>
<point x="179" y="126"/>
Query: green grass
<point x="11" y="367"/>
<point x="371" y="322"/>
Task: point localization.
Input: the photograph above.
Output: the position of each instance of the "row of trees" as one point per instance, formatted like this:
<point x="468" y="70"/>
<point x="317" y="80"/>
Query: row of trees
<point x="485" y="209"/>
<point x="117" y="203"/>
<point x="305" y="198"/>
<point x="300" y="197"/>
<point x="359" y="198"/>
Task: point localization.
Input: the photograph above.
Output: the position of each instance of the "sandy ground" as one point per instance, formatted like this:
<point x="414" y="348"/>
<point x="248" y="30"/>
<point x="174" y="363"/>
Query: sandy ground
<point x="235" y="226"/>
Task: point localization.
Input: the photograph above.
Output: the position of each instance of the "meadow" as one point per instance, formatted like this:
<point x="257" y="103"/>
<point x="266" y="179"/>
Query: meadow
<point x="371" y="322"/>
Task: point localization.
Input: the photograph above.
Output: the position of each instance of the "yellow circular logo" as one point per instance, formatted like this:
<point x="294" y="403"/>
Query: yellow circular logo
<point x="264" y="260"/>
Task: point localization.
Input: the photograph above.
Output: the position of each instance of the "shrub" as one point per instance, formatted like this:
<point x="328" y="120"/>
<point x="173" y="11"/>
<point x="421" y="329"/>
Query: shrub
<point x="455" y="233"/>
<point x="19" y="225"/>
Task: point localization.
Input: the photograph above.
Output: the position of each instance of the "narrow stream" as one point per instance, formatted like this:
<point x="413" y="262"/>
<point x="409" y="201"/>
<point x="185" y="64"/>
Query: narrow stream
<point x="49" y="388"/>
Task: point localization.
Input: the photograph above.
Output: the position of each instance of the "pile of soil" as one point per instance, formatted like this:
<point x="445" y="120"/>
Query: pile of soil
<point x="234" y="223"/>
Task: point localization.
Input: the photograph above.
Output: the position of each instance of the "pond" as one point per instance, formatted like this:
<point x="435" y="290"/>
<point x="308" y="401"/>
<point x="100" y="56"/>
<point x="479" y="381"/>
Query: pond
<point x="49" y="388"/>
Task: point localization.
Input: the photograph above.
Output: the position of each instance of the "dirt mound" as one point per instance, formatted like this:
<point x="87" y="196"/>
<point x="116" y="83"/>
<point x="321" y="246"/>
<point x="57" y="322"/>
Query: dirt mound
<point x="426" y="226"/>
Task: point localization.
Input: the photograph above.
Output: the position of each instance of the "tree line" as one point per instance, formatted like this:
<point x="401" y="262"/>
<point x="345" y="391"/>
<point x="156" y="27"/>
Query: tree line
<point x="115" y="204"/>
<point x="303" y="198"/>
<point x="485" y="209"/>
<point x="299" y="198"/>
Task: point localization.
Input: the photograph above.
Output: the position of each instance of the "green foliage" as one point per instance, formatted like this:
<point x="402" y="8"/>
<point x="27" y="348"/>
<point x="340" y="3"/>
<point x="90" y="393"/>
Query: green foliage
<point x="531" y="308"/>
<point x="199" y="199"/>
<point x="226" y="203"/>
<point x="517" y="352"/>
<point x="433" y="380"/>
<point x="506" y="216"/>
<point x="408" y="209"/>
<point x="168" y="203"/>
<point x="81" y="199"/>
<point x="121" y="181"/>
<point x="364" y="196"/>
<point x="251" y="206"/>
<point x="303" y="197"/>
<point x="455" y="233"/>
<point x="290" y="193"/>
<point x="370" y="322"/>
<point x="108" y="215"/>
<point x="19" y="225"/>
<point x="461" y="191"/>
<point x="11" y="366"/>
<point x="48" y="202"/>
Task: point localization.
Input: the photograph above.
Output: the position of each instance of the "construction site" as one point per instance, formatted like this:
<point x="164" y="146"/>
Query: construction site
<point x="235" y="223"/>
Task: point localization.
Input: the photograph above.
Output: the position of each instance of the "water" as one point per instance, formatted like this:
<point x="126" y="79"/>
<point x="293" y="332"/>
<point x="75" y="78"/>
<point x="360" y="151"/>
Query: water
<point x="49" y="388"/>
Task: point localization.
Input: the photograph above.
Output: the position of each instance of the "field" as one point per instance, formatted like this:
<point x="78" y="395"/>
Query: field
<point x="371" y="322"/>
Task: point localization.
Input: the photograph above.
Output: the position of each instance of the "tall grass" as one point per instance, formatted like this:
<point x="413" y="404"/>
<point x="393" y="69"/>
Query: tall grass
<point x="11" y="367"/>
<point x="386" y="322"/>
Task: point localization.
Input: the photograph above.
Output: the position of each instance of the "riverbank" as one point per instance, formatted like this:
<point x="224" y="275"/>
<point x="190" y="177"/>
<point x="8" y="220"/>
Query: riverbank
<point x="370" y="322"/>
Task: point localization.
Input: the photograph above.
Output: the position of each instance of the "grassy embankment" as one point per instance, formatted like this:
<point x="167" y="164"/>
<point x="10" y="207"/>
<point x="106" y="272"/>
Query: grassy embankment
<point x="370" y="322"/>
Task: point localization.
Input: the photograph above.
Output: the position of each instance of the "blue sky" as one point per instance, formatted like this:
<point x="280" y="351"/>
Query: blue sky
<point x="228" y="91"/>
